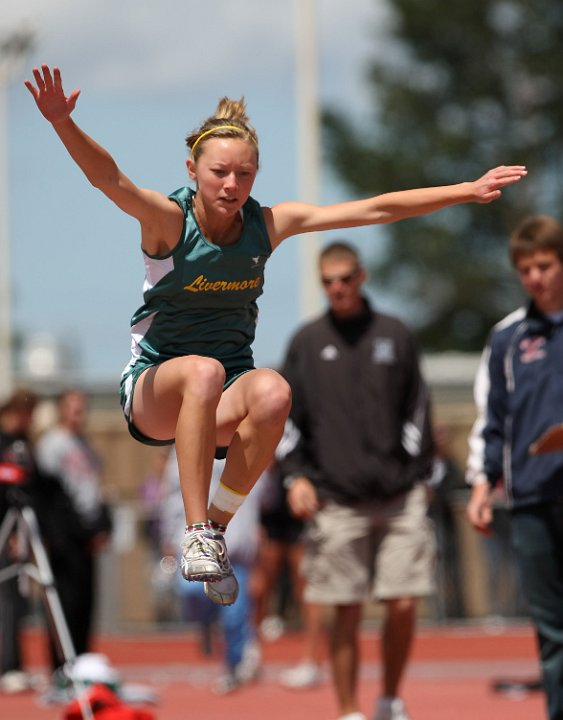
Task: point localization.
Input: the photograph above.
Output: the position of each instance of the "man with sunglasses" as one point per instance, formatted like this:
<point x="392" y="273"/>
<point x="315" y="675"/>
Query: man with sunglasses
<point x="362" y="408"/>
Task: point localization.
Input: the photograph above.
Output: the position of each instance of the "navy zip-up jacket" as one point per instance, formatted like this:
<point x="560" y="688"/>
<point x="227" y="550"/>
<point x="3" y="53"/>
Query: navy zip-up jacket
<point x="519" y="393"/>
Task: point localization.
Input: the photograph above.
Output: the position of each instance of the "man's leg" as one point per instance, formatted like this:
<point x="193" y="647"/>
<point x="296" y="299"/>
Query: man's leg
<point x="537" y="534"/>
<point x="312" y="614"/>
<point x="403" y="571"/>
<point x="271" y="554"/>
<point x="307" y="673"/>
<point x="396" y="642"/>
<point x="344" y="656"/>
<point x="239" y="630"/>
<point x="237" y="621"/>
<point x="313" y="622"/>
<point x="338" y="571"/>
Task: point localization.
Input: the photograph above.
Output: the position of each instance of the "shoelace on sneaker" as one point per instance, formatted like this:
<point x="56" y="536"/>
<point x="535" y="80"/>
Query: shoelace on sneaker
<point x="208" y="546"/>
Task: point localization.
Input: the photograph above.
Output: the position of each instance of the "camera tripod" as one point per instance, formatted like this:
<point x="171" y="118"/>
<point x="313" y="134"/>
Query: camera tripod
<point x="31" y="562"/>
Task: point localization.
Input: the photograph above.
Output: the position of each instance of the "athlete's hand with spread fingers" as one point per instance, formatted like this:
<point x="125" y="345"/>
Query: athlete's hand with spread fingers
<point x="48" y="93"/>
<point x="487" y="187"/>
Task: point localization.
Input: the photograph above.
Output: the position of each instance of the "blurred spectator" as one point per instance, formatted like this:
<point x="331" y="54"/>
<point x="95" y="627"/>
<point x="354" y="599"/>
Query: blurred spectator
<point x="362" y="409"/>
<point x="152" y="494"/>
<point x="74" y="542"/>
<point x="447" y="497"/>
<point x="17" y="477"/>
<point x="278" y="573"/>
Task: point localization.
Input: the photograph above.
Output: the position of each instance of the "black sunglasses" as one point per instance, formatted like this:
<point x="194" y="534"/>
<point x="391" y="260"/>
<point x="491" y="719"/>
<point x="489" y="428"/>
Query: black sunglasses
<point x="345" y="279"/>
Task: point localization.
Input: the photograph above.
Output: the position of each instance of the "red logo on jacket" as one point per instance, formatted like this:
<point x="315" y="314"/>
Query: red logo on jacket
<point x="532" y="349"/>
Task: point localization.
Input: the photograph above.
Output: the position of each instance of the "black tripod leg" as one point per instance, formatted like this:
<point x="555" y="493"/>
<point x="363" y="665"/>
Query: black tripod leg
<point x="8" y="524"/>
<point x="44" y="576"/>
<point x="11" y="611"/>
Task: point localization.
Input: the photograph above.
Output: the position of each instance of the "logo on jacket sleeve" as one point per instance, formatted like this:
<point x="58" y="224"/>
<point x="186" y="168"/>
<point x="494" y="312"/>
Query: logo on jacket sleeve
<point x="532" y="349"/>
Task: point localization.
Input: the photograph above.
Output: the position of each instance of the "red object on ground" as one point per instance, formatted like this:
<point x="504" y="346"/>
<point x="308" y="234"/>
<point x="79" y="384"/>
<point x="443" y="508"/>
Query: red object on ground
<point x="105" y="705"/>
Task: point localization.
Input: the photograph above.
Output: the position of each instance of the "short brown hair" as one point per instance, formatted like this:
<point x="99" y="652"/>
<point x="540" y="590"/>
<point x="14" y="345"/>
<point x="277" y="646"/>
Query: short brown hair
<point x="339" y="250"/>
<point x="537" y="232"/>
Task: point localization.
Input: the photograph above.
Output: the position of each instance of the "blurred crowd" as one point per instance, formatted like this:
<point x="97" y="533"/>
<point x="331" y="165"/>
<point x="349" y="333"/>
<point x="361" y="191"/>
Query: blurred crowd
<point x="55" y="522"/>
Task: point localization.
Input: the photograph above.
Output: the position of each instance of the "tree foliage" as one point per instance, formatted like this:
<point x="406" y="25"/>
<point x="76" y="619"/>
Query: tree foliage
<point x="462" y="87"/>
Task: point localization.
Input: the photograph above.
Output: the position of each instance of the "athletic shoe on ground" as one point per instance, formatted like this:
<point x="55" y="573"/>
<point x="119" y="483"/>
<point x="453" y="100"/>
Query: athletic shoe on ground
<point x="226" y="684"/>
<point x="247" y="670"/>
<point x="391" y="709"/>
<point x="272" y="628"/>
<point x="250" y="665"/>
<point x="204" y="557"/>
<point x="16" y="681"/>
<point x="222" y="592"/>
<point x="302" y="676"/>
<point x="353" y="716"/>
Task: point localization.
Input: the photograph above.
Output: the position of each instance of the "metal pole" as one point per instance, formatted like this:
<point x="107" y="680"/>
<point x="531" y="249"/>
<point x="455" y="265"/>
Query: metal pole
<point x="5" y="285"/>
<point x="308" y="148"/>
<point x="12" y="51"/>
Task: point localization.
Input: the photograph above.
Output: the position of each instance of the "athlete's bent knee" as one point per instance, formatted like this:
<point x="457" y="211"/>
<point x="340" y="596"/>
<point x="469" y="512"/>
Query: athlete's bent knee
<point x="203" y="377"/>
<point x="275" y="399"/>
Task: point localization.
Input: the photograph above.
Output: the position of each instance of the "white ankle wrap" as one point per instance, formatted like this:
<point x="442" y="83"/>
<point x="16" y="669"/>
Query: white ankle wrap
<point x="226" y="499"/>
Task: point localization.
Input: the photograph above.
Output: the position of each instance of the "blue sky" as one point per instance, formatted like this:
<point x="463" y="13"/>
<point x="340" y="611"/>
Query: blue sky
<point x="149" y="72"/>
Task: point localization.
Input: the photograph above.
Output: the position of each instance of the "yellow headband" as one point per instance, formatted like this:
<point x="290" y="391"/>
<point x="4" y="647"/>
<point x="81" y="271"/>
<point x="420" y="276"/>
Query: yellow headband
<point x="219" y="127"/>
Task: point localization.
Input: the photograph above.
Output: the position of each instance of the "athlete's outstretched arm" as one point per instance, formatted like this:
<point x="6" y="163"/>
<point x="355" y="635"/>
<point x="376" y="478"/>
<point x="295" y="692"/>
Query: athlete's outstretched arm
<point x="157" y="215"/>
<point x="293" y="218"/>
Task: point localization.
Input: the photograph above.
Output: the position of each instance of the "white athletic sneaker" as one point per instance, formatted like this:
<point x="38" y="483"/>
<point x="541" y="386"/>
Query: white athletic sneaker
<point x="353" y="716"/>
<point x="302" y="676"/>
<point x="391" y="709"/>
<point x="245" y="672"/>
<point x="250" y="666"/>
<point x="204" y="557"/>
<point x="225" y="684"/>
<point x="222" y="592"/>
<point x="272" y="628"/>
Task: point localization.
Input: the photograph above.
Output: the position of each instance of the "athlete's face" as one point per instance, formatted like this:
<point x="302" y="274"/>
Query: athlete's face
<point x="541" y="274"/>
<point x="224" y="173"/>
<point x="342" y="280"/>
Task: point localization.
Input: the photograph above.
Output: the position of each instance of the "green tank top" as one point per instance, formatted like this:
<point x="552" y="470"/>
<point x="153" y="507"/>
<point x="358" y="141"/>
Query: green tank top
<point x="200" y="299"/>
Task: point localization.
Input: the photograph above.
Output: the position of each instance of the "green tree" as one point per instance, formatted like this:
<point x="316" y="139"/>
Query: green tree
<point x="464" y="86"/>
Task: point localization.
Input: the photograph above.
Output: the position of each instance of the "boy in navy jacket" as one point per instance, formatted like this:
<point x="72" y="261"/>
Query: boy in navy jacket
<point x="519" y="394"/>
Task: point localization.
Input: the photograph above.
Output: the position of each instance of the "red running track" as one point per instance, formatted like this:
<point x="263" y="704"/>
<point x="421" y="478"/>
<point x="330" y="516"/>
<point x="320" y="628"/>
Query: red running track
<point x="449" y="678"/>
